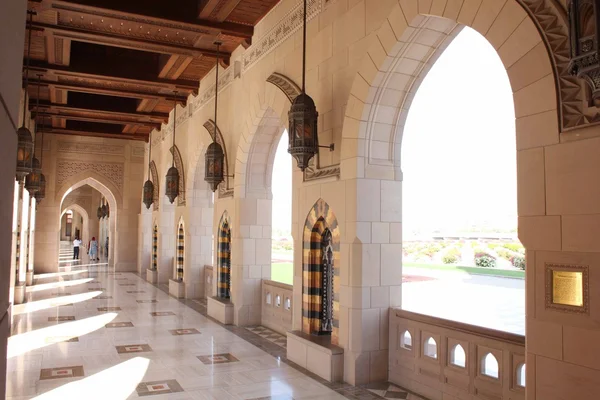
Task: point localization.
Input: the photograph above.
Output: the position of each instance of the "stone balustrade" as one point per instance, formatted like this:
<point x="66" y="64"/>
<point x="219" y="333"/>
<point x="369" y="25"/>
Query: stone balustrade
<point x="448" y="360"/>
<point x="276" y="310"/>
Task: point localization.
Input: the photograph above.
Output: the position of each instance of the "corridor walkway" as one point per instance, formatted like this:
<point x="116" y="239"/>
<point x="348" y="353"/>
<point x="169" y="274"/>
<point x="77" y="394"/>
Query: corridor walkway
<point x="90" y="333"/>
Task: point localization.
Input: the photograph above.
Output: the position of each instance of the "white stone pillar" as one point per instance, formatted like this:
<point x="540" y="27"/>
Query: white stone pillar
<point x="31" y="241"/>
<point x="18" y="272"/>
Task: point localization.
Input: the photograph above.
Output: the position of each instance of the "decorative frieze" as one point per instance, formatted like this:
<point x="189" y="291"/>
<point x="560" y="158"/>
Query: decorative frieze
<point x="94" y="148"/>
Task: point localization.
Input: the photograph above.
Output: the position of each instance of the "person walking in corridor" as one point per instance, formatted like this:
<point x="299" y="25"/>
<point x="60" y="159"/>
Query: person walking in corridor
<point x="76" y="244"/>
<point x="93" y="249"/>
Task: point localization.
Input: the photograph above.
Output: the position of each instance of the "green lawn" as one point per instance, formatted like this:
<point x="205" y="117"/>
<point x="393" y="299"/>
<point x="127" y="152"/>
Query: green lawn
<point x="469" y="270"/>
<point x="283" y="272"/>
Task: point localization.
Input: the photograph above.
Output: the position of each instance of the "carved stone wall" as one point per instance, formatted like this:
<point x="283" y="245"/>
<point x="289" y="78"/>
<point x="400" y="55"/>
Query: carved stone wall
<point x="78" y="147"/>
<point x="66" y="169"/>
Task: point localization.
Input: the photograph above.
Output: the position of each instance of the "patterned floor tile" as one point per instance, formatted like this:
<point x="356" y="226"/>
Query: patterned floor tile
<point x="92" y="289"/>
<point x="270" y="335"/>
<point x="109" y="308"/>
<point x="102" y="297"/>
<point x="61" y="372"/>
<point x="147" y="301"/>
<point x="119" y="325"/>
<point x="133" y="348"/>
<point x="217" y="359"/>
<point x="158" y="387"/>
<point x="181" y="332"/>
<point x="162" y="313"/>
<point x="62" y="318"/>
<point x="135" y="291"/>
<point x="126" y="284"/>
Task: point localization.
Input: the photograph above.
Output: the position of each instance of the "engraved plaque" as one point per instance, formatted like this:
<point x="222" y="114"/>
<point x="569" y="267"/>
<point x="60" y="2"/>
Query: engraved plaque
<point x="567" y="288"/>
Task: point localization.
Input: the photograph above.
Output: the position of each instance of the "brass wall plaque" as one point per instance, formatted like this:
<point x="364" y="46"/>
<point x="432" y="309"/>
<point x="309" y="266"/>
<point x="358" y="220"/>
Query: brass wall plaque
<point x="567" y="288"/>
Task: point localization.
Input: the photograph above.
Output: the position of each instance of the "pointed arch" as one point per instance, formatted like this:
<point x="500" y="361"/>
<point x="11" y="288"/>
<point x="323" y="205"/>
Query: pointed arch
<point x="320" y="266"/>
<point x="156" y="182"/>
<point x="224" y="257"/>
<point x="179" y="165"/>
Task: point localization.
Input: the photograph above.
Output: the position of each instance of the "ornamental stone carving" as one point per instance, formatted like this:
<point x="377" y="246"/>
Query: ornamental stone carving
<point x="66" y="169"/>
<point x="78" y="147"/>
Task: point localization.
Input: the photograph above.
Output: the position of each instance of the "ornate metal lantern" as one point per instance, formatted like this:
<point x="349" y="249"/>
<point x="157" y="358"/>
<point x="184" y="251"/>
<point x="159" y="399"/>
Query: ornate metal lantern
<point x="24" y="151"/>
<point x="41" y="193"/>
<point x="104" y="211"/>
<point x="24" y="137"/>
<point x="172" y="181"/>
<point x="99" y="212"/>
<point x="107" y="211"/>
<point x="32" y="180"/>
<point x="584" y="25"/>
<point x="148" y="193"/>
<point x="172" y="184"/>
<point x="213" y="168"/>
<point x="303" y="117"/>
<point x="148" y="185"/>
<point x="303" y="136"/>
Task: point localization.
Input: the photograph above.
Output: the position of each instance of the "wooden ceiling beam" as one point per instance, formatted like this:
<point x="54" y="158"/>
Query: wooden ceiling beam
<point x="119" y="40"/>
<point x="96" y="118"/>
<point x="67" y="111"/>
<point x="145" y="116"/>
<point x="148" y="16"/>
<point x="84" y="88"/>
<point x="72" y="132"/>
<point x="217" y="10"/>
<point x="181" y="85"/>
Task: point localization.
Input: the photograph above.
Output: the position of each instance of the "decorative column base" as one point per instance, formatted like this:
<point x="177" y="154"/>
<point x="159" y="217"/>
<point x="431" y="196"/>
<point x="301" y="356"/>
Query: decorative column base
<point x="29" y="278"/>
<point x="220" y="309"/>
<point x="20" y="293"/>
<point x="152" y="276"/>
<point x="176" y="289"/>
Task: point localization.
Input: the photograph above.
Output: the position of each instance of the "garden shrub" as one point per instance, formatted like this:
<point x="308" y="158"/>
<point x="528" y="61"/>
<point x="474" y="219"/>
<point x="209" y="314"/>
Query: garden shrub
<point x="502" y="252"/>
<point x="516" y="247"/>
<point x="485" y="260"/>
<point x="518" y="261"/>
<point x="452" y="256"/>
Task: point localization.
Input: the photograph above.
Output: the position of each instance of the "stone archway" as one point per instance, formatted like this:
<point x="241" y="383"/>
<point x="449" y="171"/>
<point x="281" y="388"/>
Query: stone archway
<point x="409" y="40"/>
<point x="85" y="232"/>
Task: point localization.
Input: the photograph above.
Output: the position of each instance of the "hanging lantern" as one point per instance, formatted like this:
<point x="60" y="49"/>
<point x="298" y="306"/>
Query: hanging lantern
<point x="24" y="136"/>
<point x="172" y="184"/>
<point x="148" y="198"/>
<point x="107" y="210"/>
<point x="303" y="136"/>
<point x="104" y="211"/>
<point x="99" y="212"/>
<point x="584" y="34"/>
<point x="213" y="168"/>
<point x="32" y="180"/>
<point x="303" y="116"/>
<point x="24" y="152"/>
<point x="41" y="193"/>
<point x="148" y="193"/>
<point x="172" y="181"/>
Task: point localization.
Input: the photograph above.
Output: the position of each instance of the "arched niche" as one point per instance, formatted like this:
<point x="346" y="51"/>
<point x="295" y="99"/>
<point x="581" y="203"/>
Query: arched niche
<point x="320" y="278"/>
<point x="154" y="261"/>
<point x="224" y="258"/>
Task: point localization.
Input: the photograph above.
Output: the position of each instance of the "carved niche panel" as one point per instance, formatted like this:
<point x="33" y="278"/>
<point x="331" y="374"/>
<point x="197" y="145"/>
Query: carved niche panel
<point x="114" y="172"/>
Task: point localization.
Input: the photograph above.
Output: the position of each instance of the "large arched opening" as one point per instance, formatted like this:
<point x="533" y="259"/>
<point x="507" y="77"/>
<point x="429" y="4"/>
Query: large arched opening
<point x="409" y="41"/>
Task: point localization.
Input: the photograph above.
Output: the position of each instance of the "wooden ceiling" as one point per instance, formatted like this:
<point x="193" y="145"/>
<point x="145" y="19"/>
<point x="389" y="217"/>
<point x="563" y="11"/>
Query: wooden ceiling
<point x="114" y="68"/>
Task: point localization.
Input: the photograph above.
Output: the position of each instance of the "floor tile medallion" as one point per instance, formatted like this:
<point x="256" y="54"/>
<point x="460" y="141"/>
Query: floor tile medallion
<point x="133" y="348"/>
<point x="217" y="359"/>
<point x="158" y="387"/>
<point x="61" y="372"/>
<point x="181" y="332"/>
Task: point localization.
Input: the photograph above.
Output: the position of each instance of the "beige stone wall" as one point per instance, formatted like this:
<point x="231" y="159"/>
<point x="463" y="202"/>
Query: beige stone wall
<point x="12" y="39"/>
<point x="365" y="61"/>
<point x="112" y="167"/>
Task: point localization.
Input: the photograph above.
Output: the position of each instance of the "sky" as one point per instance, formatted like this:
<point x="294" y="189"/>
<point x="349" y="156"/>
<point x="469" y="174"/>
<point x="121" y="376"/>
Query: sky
<point x="458" y="148"/>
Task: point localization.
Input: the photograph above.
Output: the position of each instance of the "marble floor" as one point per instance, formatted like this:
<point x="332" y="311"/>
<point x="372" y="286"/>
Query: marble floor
<point x="89" y="333"/>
